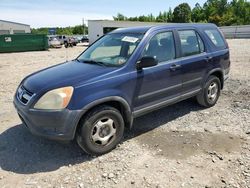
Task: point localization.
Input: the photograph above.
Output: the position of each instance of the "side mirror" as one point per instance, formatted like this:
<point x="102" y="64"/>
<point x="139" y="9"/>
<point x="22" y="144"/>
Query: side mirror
<point x="146" y="62"/>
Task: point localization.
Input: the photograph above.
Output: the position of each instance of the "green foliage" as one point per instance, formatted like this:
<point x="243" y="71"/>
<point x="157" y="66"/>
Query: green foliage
<point x="198" y="14"/>
<point x="76" y="30"/>
<point x="120" y="17"/>
<point x="241" y="11"/>
<point x="182" y="13"/>
<point x="40" y="31"/>
<point x="170" y="15"/>
<point x="220" y="12"/>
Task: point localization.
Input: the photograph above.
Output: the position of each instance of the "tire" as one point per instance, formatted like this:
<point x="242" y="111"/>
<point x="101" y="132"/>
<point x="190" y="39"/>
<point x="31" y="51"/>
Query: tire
<point x="210" y="92"/>
<point x="101" y="130"/>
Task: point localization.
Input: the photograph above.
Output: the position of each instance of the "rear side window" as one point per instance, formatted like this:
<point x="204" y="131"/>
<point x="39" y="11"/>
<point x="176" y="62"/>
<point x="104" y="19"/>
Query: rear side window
<point x="215" y="37"/>
<point x="191" y="43"/>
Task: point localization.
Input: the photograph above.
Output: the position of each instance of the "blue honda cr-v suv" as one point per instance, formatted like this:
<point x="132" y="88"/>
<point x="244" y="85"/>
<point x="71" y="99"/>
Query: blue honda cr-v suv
<point x="124" y="74"/>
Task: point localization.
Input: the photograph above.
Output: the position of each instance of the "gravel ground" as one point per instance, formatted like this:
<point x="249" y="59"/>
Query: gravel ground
<point x="182" y="145"/>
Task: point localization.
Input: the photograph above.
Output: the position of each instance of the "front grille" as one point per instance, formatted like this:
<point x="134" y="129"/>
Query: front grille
<point x="24" y="95"/>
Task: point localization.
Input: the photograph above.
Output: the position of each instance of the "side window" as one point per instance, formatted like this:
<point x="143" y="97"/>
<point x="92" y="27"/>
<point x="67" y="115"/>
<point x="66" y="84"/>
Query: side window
<point x="161" y="47"/>
<point x="191" y="43"/>
<point x="215" y="37"/>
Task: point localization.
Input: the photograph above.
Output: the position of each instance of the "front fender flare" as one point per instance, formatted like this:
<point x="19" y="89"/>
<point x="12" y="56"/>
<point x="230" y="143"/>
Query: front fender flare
<point x="127" y="112"/>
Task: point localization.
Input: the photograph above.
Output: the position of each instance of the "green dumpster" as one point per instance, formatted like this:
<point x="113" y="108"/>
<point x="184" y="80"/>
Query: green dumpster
<point x="23" y="42"/>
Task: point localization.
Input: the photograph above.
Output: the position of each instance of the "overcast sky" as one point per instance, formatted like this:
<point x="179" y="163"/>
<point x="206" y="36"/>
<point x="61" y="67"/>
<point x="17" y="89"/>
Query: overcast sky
<point x="52" y="13"/>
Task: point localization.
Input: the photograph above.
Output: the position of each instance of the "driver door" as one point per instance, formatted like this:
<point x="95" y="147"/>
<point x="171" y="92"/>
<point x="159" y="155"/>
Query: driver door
<point x="162" y="83"/>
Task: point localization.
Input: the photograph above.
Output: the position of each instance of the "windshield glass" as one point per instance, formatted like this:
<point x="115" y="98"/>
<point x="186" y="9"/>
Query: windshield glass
<point x="112" y="49"/>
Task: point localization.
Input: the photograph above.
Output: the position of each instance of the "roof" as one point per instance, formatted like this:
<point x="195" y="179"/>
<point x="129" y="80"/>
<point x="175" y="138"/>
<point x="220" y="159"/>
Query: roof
<point x="144" y="29"/>
<point x="125" y="21"/>
<point x="14" y="22"/>
<point x="141" y="29"/>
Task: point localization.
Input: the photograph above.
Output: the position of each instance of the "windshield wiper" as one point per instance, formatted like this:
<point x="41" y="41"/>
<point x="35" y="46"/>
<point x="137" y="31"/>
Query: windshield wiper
<point x="94" y="62"/>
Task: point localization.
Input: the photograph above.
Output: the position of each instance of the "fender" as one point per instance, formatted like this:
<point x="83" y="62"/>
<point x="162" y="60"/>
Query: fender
<point x="127" y="112"/>
<point x="220" y="70"/>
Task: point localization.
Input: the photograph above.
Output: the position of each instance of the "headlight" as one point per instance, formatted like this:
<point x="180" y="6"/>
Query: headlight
<point x="55" y="99"/>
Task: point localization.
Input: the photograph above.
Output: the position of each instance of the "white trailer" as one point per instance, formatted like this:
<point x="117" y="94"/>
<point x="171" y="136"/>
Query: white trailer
<point x="97" y="28"/>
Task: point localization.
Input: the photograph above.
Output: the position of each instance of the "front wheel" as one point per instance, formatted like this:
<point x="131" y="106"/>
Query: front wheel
<point x="101" y="130"/>
<point x="210" y="93"/>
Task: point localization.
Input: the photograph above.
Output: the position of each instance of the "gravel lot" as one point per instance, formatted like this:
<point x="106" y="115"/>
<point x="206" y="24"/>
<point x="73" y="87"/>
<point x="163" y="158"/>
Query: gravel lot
<point x="182" y="145"/>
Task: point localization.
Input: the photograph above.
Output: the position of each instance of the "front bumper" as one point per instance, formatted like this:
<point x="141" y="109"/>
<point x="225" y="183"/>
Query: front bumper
<point x="55" y="125"/>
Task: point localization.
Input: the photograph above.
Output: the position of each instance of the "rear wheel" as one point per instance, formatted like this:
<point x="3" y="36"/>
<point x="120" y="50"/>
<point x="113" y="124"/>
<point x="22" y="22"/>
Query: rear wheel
<point x="210" y="93"/>
<point x="101" y="130"/>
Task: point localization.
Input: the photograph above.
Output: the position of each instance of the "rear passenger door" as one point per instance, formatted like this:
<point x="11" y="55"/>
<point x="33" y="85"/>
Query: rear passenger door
<point x="193" y="61"/>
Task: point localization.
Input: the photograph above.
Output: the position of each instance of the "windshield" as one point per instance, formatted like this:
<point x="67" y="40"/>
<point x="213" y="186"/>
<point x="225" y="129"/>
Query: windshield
<point x="111" y="50"/>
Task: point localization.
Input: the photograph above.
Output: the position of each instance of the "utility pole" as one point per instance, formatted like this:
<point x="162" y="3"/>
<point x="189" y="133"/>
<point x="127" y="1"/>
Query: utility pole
<point x="83" y="26"/>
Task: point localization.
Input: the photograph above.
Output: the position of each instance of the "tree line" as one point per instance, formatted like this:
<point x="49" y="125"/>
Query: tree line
<point x="76" y="30"/>
<point x="219" y="12"/>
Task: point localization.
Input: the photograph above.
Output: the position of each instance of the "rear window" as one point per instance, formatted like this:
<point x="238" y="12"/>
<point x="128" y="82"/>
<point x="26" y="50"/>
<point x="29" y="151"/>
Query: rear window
<point x="216" y="37"/>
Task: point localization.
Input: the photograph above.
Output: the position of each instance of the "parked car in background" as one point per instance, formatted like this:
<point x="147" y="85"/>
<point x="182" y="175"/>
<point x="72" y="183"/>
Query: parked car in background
<point x="70" y="42"/>
<point x="78" y="38"/>
<point x="85" y="39"/>
<point x="74" y="40"/>
<point x="62" y="39"/>
<point x="94" y="97"/>
<point x="54" y="42"/>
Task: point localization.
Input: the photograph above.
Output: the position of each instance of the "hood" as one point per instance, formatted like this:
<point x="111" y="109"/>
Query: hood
<point x="65" y="74"/>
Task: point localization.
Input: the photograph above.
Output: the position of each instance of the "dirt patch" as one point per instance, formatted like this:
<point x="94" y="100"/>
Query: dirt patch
<point x="181" y="145"/>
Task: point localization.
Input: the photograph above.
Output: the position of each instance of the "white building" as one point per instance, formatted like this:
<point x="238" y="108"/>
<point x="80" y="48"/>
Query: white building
<point x="97" y="28"/>
<point x="7" y="27"/>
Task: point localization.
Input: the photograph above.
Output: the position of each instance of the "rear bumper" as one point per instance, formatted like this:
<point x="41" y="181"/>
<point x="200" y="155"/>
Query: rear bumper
<point x="55" y="125"/>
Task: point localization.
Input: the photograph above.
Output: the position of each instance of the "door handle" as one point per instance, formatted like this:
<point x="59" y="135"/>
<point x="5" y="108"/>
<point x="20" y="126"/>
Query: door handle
<point x="174" y="67"/>
<point x="208" y="59"/>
